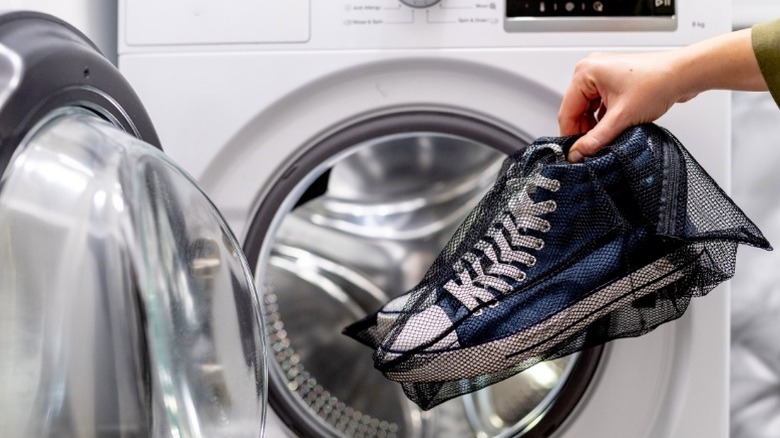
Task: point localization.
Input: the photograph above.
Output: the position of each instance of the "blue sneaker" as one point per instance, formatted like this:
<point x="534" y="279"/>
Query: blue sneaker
<point x="558" y="257"/>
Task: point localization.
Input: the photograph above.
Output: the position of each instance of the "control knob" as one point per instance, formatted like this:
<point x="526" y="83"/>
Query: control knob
<point x="420" y="3"/>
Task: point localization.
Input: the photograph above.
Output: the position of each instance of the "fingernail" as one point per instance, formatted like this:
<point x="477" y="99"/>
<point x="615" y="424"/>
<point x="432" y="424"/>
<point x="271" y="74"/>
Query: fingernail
<point x="574" y="156"/>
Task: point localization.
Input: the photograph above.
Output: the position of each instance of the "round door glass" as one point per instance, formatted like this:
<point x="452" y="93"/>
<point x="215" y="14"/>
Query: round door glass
<point x="350" y="232"/>
<point x="127" y="305"/>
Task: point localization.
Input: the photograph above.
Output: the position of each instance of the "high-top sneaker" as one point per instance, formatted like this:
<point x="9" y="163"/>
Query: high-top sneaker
<point x="558" y="257"/>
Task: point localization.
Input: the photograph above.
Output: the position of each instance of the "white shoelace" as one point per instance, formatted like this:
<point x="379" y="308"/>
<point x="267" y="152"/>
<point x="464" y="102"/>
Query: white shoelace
<point x="524" y="215"/>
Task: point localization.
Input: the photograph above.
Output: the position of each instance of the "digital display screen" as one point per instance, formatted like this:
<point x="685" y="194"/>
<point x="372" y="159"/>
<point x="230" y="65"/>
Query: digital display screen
<point x="589" y="8"/>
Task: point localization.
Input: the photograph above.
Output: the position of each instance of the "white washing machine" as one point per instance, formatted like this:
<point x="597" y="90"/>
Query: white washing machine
<point x="345" y="140"/>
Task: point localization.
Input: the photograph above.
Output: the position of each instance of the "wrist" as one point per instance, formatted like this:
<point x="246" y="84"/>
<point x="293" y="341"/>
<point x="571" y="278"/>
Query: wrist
<point x="726" y="62"/>
<point x="686" y="77"/>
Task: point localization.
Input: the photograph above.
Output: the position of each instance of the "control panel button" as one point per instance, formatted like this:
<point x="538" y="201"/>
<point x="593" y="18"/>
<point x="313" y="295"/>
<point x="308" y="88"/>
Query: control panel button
<point x="589" y="8"/>
<point x="420" y="3"/>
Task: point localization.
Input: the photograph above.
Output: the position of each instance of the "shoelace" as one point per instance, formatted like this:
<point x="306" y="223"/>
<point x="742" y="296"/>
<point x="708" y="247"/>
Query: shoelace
<point x="504" y="254"/>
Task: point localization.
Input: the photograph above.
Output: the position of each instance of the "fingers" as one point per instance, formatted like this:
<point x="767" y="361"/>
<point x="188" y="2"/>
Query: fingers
<point x="604" y="132"/>
<point x="583" y="111"/>
<point x="610" y="92"/>
<point x="601" y="111"/>
<point x="575" y="115"/>
<point x="591" y="104"/>
<point x="572" y="116"/>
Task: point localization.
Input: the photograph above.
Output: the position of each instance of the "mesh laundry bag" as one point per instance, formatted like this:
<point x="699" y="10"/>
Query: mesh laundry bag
<point x="558" y="257"/>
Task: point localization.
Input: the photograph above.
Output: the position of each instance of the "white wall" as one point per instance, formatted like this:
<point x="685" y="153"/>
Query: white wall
<point x="96" y="18"/>
<point x="755" y="288"/>
<point x="745" y="13"/>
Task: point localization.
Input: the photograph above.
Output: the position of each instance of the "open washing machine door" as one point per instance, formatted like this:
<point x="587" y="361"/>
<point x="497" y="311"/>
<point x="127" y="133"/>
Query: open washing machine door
<point x="128" y="308"/>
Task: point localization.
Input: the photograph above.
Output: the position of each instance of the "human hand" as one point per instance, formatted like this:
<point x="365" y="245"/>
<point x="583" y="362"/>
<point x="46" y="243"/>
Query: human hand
<point x="611" y="92"/>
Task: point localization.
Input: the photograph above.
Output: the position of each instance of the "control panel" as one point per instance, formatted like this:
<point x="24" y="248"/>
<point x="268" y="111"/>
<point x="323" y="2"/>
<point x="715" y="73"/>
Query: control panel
<point x="585" y="15"/>
<point x="270" y="25"/>
<point x="412" y="13"/>
<point x="590" y="8"/>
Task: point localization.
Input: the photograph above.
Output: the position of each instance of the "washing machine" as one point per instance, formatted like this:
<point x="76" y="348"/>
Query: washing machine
<point x="345" y="140"/>
<point x="128" y="308"/>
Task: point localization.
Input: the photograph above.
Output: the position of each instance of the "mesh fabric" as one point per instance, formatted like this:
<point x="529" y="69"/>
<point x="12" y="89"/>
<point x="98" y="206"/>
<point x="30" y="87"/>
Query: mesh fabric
<point x="559" y="257"/>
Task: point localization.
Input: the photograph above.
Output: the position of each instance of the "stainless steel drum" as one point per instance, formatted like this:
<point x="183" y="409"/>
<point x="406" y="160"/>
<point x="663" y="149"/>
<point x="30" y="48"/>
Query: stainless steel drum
<point x="350" y="232"/>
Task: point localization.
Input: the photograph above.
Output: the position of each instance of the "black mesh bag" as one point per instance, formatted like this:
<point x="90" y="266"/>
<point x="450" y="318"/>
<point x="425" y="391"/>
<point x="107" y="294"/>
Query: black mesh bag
<point x="559" y="257"/>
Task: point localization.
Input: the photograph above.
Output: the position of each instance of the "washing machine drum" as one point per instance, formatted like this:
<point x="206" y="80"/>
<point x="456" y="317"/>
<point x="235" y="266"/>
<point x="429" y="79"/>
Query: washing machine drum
<point x="354" y="222"/>
<point x="127" y="306"/>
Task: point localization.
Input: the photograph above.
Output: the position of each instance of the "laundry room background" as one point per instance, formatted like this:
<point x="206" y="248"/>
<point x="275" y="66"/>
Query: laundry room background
<point x="755" y="289"/>
<point x="96" y="18"/>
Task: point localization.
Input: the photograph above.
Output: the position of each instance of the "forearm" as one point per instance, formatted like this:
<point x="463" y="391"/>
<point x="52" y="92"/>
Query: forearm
<point x="610" y="92"/>
<point x="726" y="62"/>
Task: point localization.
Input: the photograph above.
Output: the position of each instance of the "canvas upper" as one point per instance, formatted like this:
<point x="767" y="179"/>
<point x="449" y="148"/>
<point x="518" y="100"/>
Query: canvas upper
<point x="558" y="257"/>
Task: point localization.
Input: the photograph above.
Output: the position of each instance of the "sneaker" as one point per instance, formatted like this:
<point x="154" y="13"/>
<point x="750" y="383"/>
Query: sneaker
<point x="558" y="257"/>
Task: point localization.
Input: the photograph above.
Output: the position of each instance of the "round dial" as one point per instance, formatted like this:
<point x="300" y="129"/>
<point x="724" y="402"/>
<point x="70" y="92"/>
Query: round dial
<point x="420" y="3"/>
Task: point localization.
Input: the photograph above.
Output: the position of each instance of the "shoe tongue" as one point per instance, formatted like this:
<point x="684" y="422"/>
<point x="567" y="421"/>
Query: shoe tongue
<point x="544" y="151"/>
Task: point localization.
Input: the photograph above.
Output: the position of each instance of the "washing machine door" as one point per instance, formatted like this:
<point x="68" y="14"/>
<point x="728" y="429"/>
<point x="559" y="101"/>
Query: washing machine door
<point x="127" y="305"/>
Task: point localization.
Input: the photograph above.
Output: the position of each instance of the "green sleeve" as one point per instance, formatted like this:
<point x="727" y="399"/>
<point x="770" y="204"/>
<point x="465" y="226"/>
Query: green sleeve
<point x="766" y="45"/>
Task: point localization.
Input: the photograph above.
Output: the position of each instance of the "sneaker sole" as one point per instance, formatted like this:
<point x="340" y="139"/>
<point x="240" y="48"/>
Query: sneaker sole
<point x="482" y="359"/>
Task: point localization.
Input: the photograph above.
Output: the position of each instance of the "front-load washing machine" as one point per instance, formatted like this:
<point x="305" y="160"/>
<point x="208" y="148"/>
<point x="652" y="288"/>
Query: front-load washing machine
<point x="345" y="140"/>
<point x="128" y="308"/>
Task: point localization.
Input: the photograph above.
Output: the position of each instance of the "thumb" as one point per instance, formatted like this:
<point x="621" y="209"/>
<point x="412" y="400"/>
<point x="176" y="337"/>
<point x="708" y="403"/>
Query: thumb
<point x="606" y="130"/>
